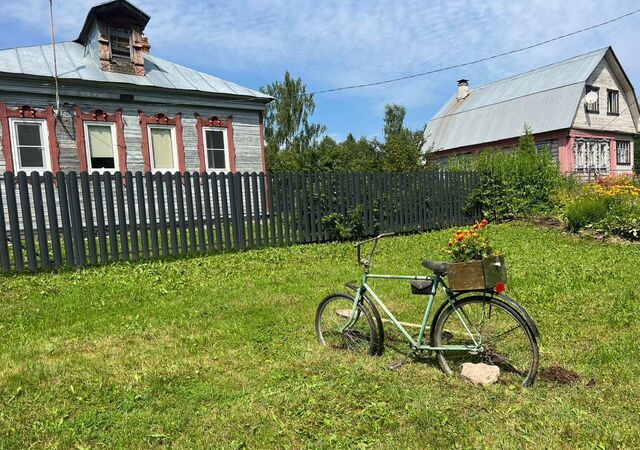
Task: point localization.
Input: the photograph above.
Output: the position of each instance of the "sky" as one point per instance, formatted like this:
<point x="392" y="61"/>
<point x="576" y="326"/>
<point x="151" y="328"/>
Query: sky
<point x="332" y="43"/>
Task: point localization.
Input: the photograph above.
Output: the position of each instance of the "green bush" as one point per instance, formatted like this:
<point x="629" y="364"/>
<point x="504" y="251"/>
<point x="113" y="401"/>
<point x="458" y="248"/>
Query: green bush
<point x="345" y="228"/>
<point x="586" y="211"/>
<point x="519" y="183"/>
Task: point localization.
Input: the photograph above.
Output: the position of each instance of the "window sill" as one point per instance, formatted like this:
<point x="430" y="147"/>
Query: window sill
<point x="613" y="114"/>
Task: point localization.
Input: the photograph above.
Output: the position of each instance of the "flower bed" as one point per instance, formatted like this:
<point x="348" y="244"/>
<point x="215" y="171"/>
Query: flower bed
<point x="610" y="206"/>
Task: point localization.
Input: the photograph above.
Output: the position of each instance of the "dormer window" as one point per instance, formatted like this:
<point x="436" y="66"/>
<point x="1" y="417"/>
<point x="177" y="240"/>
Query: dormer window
<point x="120" y="40"/>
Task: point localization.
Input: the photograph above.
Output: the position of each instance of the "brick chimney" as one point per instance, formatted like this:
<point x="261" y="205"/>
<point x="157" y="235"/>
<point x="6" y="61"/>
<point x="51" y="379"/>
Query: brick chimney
<point x="463" y="89"/>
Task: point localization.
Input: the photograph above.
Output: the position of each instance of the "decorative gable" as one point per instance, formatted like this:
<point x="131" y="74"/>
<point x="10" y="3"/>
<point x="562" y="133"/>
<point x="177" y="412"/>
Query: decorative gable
<point x="114" y="32"/>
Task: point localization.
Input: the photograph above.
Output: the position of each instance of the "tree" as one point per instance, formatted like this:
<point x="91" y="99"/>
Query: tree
<point x="286" y="123"/>
<point x="402" y="148"/>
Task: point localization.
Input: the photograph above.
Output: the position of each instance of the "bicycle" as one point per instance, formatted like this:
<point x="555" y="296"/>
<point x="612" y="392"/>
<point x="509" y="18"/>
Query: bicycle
<point x="469" y="326"/>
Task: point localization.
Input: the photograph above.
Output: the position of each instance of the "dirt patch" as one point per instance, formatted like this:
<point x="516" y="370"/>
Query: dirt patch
<point x="558" y="374"/>
<point x="549" y="222"/>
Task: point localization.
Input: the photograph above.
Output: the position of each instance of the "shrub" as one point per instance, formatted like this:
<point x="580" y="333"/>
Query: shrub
<point x="470" y="244"/>
<point x="519" y="183"/>
<point x="345" y="228"/>
<point x="586" y="211"/>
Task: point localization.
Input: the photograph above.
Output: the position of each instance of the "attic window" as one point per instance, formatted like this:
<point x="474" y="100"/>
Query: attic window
<point x="120" y="42"/>
<point x="593" y="107"/>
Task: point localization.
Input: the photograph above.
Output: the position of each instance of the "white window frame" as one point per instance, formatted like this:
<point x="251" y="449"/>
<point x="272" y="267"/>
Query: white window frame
<point x="592" y="155"/>
<point x="44" y="136"/>
<point x="629" y="149"/>
<point x="227" y="166"/>
<point x="114" y="143"/>
<point x="174" y="143"/>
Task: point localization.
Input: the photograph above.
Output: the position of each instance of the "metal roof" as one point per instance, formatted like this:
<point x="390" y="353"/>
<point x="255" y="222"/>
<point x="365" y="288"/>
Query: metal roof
<point x="76" y="63"/>
<point x="545" y="99"/>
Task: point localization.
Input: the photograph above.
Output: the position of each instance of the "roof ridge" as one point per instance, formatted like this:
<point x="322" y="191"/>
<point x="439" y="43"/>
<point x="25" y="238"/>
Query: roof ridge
<point x="564" y="61"/>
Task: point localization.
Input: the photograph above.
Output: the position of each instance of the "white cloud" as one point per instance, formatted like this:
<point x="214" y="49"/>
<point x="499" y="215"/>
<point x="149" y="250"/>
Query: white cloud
<point x="341" y="42"/>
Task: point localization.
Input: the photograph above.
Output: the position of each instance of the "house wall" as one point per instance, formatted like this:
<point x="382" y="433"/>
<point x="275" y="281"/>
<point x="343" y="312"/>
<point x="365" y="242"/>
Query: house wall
<point x="246" y="129"/>
<point x="604" y="78"/>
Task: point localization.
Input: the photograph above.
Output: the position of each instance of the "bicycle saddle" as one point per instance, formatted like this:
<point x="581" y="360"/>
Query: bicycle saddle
<point x="437" y="267"/>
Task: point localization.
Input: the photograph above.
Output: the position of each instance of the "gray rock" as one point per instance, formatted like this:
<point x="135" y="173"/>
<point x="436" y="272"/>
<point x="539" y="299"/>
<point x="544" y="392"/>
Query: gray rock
<point x="480" y="374"/>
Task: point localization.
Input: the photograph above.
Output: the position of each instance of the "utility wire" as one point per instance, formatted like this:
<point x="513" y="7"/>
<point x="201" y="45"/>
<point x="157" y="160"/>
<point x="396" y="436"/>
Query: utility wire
<point x="55" y="58"/>
<point x="635" y="101"/>
<point x="469" y="63"/>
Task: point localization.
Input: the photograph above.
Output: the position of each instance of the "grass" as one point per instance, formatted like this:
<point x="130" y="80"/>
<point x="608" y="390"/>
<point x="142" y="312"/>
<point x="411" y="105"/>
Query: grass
<point x="220" y="352"/>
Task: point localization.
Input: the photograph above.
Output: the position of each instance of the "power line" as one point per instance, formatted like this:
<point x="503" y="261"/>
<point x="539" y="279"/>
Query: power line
<point x="469" y="63"/>
<point x="635" y="101"/>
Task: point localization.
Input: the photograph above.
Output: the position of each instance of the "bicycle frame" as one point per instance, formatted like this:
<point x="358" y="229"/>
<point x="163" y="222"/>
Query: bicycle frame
<point x="437" y="281"/>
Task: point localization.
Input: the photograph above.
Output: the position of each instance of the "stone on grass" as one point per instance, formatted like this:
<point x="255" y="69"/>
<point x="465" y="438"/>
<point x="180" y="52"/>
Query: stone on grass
<point x="480" y="374"/>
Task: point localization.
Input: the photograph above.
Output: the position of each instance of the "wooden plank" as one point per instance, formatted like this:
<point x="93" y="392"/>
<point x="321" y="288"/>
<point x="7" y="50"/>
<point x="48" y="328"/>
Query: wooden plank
<point x="5" y="263"/>
<point x="133" y="220"/>
<point x="312" y="181"/>
<point x="255" y="193"/>
<point x="27" y="222"/>
<point x="269" y="185"/>
<point x="76" y="218"/>
<point x="225" y="210"/>
<point x="285" y="207"/>
<point x="142" y="214"/>
<point x="64" y="216"/>
<point x="197" y="192"/>
<point x="207" y="211"/>
<point x="41" y="227"/>
<point x="264" y="208"/>
<point x="111" y="217"/>
<point x="245" y="177"/>
<point x="171" y="210"/>
<point x="233" y="208"/>
<point x="162" y="212"/>
<point x="122" y="217"/>
<point x="14" y="223"/>
<point x="299" y="210"/>
<point x="277" y="207"/>
<point x="306" y="186"/>
<point x="191" y="223"/>
<point x="216" y="211"/>
<point x="182" y="223"/>
<point x="88" y="217"/>
<point x="53" y="220"/>
<point x="100" y="219"/>
<point x="154" y="248"/>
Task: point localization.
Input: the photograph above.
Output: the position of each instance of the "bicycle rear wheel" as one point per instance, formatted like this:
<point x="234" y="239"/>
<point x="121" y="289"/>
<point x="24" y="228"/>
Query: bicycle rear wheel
<point x="333" y="315"/>
<point x="506" y="339"/>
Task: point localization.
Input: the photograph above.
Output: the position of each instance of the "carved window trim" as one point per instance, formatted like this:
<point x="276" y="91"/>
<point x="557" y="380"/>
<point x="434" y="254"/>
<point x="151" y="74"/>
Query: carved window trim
<point x="27" y="112"/>
<point x="99" y="115"/>
<point x="161" y="119"/>
<point x="215" y="122"/>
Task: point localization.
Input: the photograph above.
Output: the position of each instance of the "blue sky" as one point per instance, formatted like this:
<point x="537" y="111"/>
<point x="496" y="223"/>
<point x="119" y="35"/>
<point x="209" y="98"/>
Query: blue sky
<point x="333" y="43"/>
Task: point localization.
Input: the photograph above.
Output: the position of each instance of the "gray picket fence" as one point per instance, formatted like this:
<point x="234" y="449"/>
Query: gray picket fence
<point x="48" y="222"/>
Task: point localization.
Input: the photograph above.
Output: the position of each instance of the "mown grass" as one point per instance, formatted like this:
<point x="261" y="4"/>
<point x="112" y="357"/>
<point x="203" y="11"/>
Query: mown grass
<point x="220" y="352"/>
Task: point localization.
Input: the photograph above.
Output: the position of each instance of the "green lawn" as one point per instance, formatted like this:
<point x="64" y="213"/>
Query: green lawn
<point x="219" y="351"/>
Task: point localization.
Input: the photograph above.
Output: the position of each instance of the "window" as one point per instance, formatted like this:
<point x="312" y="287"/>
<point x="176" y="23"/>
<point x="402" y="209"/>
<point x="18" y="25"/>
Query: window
<point x="101" y="146"/>
<point x="163" y="148"/>
<point x="623" y="153"/>
<point x="593" y="107"/>
<point x="29" y="143"/>
<point x="592" y="154"/>
<point x="120" y="43"/>
<point x="216" y="151"/>
<point x="613" y="102"/>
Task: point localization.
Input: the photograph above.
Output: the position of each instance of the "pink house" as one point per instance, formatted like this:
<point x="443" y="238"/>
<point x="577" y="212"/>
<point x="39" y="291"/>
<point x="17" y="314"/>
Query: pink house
<point x="583" y="110"/>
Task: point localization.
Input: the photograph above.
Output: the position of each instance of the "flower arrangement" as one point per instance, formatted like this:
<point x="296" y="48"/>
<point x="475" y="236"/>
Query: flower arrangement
<point x="470" y="244"/>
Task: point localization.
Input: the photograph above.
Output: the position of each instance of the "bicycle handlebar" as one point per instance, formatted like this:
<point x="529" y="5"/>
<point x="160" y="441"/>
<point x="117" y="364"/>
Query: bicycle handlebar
<point x="376" y="239"/>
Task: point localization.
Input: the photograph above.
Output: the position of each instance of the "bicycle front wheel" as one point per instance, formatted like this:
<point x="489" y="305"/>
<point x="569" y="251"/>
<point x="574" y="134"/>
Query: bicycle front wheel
<point x="333" y="316"/>
<point x="504" y="337"/>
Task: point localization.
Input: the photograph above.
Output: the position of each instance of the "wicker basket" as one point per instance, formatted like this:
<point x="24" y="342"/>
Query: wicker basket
<point x="477" y="275"/>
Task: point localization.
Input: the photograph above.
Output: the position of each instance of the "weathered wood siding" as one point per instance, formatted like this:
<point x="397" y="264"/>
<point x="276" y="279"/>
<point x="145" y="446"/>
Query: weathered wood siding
<point x="604" y="78"/>
<point x="246" y="130"/>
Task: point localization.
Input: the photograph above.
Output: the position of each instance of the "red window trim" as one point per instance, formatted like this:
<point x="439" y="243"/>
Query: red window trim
<point x="161" y="119"/>
<point x="220" y="123"/>
<point x="27" y="112"/>
<point x="99" y="115"/>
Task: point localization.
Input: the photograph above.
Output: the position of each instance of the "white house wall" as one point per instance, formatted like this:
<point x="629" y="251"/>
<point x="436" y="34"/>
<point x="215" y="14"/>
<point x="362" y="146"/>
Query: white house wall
<point x="246" y="130"/>
<point x="604" y="78"/>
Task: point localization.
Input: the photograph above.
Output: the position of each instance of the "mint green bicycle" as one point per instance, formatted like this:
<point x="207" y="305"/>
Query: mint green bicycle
<point x="470" y="326"/>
